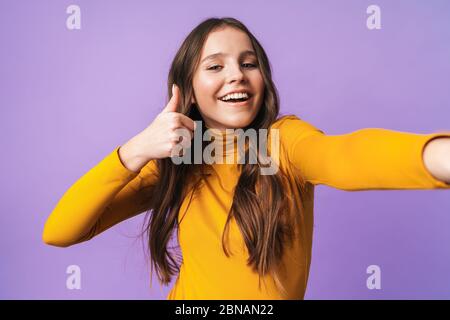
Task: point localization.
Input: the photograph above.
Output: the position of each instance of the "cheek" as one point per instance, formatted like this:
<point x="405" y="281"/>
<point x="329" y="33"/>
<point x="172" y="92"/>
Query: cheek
<point x="207" y="87"/>
<point x="258" y="84"/>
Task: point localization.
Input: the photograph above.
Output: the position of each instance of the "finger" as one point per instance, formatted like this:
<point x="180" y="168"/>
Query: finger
<point x="172" y="105"/>
<point x="182" y="145"/>
<point x="187" y="122"/>
<point x="179" y="132"/>
<point x="185" y="141"/>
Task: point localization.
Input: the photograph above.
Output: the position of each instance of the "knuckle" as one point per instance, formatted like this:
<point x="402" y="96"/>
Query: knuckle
<point x="173" y="137"/>
<point x="174" y="123"/>
<point x="182" y="132"/>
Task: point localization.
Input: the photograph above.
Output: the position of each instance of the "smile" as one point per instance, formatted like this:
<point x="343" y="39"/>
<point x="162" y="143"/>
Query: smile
<point x="236" y="99"/>
<point x="236" y="103"/>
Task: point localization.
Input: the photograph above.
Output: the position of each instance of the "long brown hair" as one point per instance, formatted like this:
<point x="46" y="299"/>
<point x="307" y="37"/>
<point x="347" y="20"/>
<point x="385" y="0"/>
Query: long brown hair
<point x="259" y="201"/>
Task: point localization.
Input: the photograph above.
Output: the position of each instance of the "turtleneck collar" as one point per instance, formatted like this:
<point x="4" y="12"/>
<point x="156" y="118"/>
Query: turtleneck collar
<point x="225" y="143"/>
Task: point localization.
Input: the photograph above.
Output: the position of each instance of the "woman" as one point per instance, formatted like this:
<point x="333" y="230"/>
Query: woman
<point x="235" y="225"/>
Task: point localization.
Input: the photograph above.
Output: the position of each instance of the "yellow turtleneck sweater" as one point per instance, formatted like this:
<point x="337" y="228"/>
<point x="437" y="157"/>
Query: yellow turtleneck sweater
<point x="370" y="158"/>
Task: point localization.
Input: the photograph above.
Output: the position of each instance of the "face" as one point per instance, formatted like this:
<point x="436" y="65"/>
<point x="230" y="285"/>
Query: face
<point x="228" y="64"/>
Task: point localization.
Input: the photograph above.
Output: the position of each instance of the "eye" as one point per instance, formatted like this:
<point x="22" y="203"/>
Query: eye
<point x="249" y="65"/>
<point x="214" y="67"/>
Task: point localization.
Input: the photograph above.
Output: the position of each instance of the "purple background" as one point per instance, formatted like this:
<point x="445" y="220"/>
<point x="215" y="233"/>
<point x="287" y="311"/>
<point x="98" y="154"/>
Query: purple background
<point x="69" y="97"/>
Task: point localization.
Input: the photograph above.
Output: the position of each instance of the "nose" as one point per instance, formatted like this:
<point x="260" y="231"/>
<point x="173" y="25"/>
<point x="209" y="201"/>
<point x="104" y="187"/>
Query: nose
<point x="235" y="74"/>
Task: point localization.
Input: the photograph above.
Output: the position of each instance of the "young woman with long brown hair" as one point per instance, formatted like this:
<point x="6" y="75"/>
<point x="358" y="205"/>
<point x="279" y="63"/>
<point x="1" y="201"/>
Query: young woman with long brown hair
<point x="235" y="226"/>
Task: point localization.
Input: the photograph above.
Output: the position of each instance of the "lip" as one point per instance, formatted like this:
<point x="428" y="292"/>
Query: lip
<point x="238" y="91"/>
<point x="237" y="104"/>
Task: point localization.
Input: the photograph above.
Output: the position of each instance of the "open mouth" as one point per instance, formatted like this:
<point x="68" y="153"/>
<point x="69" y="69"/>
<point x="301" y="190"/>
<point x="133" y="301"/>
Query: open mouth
<point x="236" y="98"/>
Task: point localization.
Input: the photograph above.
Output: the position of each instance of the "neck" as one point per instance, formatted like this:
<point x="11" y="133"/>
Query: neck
<point x="224" y="141"/>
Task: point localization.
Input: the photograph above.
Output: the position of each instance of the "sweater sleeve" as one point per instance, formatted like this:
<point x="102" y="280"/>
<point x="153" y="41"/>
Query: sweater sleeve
<point x="369" y="158"/>
<point x="104" y="196"/>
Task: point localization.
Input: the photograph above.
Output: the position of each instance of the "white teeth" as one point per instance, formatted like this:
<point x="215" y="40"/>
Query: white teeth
<point x="235" y="96"/>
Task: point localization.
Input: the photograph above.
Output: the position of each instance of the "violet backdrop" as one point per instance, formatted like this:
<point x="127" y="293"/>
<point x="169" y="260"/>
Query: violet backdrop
<point x="69" y="97"/>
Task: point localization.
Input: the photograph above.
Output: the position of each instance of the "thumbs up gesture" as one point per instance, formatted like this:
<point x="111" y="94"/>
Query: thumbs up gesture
<point x="157" y="141"/>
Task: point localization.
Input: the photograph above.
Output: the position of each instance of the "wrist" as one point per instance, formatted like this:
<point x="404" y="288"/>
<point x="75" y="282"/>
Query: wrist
<point x="131" y="156"/>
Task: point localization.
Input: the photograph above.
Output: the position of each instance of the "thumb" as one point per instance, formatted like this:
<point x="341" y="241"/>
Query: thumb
<point x="174" y="101"/>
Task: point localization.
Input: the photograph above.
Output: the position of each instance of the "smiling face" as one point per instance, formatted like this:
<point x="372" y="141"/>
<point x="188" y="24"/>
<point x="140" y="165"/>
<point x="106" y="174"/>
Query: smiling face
<point x="228" y="64"/>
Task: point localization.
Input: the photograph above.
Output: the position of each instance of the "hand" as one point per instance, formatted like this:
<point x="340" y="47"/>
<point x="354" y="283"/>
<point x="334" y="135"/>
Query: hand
<point x="436" y="158"/>
<point x="159" y="139"/>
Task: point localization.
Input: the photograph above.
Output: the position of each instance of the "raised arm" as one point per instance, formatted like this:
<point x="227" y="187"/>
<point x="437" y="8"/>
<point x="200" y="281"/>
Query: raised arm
<point x="104" y="196"/>
<point x="112" y="191"/>
<point x="370" y="158"/>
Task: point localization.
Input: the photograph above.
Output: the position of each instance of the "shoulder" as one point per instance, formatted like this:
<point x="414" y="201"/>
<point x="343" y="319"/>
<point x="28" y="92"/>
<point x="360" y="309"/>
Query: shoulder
<point x="291" y="127"/>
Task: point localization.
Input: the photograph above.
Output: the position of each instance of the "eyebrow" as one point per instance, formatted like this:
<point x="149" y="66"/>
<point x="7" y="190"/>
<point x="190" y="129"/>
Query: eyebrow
<point x="241" y="55"/>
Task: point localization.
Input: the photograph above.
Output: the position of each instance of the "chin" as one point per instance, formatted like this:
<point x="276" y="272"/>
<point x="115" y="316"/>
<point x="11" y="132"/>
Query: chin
<point x="233" y="120"/>
<point x="237" y="123"/>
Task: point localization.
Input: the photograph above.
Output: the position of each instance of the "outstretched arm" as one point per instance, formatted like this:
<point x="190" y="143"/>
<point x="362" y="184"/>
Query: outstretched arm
<point x="436" y="157"/>
<point x="366" y="159"/>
